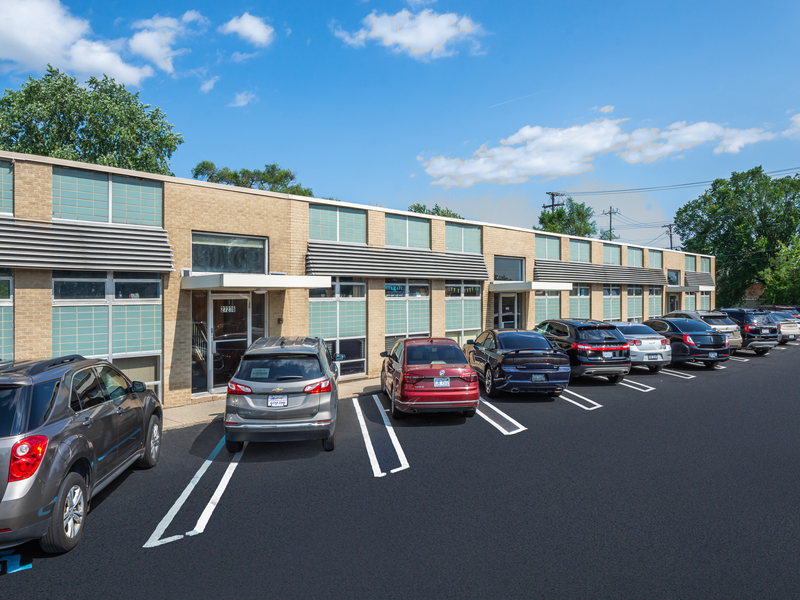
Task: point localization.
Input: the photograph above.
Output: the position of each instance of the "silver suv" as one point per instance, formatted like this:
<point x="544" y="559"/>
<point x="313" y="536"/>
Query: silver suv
<point x="718" y="320"/>
<point x="285" y="389"/>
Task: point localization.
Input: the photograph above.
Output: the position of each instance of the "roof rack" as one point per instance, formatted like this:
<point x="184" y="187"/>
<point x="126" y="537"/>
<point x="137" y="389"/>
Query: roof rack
<point x="46" y="365"/>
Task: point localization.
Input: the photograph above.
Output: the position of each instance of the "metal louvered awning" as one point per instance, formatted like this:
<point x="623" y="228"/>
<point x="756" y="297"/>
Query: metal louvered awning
<point x="326" y="258"/>
<point x="581" y="272"/>
<point x="80" y="245"/>
<point x="704" y="280"/>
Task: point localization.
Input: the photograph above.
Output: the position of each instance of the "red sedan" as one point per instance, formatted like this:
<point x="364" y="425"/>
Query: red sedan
<point x="429" y="375"/>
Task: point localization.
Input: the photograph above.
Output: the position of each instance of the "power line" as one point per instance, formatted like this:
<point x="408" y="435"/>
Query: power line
<point x="670" y="226"/>
<point x="553" y="204"/>
<point x="611" y="212"/>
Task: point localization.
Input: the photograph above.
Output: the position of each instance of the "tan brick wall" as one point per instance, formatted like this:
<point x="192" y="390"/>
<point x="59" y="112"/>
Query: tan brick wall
<point x="623" y="255"/>
<point x="564" y="248"/>
<point x="33" y="314"/>
<point x="376" y="228"/>
<point x="597" y="253"/>
<point x="623" y="302"/>
<point x="564" y="300"/>
<point x="438" y="308"/>
<point x="376" y="325"/>
<point x="596" y="304"/>
<point x="438" y="235"/>
<point x="33" y="191"/>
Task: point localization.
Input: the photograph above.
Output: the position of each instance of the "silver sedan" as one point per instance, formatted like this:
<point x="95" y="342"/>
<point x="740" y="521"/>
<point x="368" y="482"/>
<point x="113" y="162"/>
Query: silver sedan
<point x="648" y="348"/>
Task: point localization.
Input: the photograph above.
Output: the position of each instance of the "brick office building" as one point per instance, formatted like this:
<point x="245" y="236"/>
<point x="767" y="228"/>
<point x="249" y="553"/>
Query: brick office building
<point x="172" y="278"/>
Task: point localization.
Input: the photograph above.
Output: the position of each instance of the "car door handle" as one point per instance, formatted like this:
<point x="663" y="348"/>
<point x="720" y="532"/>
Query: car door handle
<point x="120" y="410"/>
<point x="87" y="422"/>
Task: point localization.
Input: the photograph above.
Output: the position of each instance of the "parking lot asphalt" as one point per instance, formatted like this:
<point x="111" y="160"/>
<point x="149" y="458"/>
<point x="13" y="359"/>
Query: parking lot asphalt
<point x="680" y="484"/>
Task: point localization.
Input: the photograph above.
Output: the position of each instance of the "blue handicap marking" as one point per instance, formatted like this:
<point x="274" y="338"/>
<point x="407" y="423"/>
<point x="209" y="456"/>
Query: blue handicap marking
<point x="11" y="562"/>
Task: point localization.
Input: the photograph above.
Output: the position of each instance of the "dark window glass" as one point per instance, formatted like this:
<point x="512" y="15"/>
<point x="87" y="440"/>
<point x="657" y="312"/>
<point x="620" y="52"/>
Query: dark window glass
<point x="635" y="329"/>
<point x="434" y="355"/>
<point x="5" y="289"/>
<point x="673" y="277"/>
<point x="76" y="290"/>
<point x="687" y="325"/>
<point x="522" y="341"/>
<point x="394" y="290"/>
<point x="489" y="342"/>
<point x="352" y="349"/>
<point x="472" y="291"/>
<point x="5" y="272"/>
<point x="352" y="291"/>
<point x="11" y="398"/>
<point x="322" y="292"/>
<point x="759" y="319"/>
<point x="88" y="389"/>
<point x="452" y="289"/>
<point x="228" y="254"/>
<point x="123" y="290"/>
<point x="135" y="275"/>
<point x="718" y="321"/>
<point x="657" y="326"/>
<point x="79" y="274"/>
<point x="42" y="402"/>
<point x="116" y="384"/>
<point x="279" y="367"/>
<point x="508" y="269"/>
<point x="599" y="334"/>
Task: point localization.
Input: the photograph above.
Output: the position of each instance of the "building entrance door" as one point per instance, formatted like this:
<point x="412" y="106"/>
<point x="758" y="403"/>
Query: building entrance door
<point x="230" y="336"/>
<point x="673" y="302"/>
<point x="507" y="314"/>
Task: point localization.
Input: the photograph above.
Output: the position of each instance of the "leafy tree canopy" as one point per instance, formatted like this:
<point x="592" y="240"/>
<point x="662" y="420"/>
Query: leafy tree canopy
<point x="102" y="123"/>
<point x="271" y="178"/>
<point x="782" y="277"/>
<point x="745" y="221"/>
<point x="607" y="234"/>
<point x="574" y="218"/>
<point x="437" y="210"/>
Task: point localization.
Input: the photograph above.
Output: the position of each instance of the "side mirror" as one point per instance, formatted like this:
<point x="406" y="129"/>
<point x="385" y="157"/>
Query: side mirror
<point x="471" y="343"/>
<point x="338" y="357"/>
<point x="384" y="354"/>
<point x="139" y="387"/>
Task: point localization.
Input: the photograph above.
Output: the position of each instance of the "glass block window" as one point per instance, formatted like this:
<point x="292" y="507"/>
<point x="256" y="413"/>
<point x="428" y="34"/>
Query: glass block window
<point x="6" y="332"/>
<point x="635" y="303"/>
<point x="6" y="187"/>
<point x="136" y="328"/>
<point x="352" y="225"/>
<point x="580" y="251"/>
<point x="80" y="330"/>
<point x="547" y="305"/>
<point x="612" y="254"/>
<point x="691" y="263"/>
<point x="655" y="302"/>
<point x="462" y="310"/>
<point x="462" y="238"/>
<point x="654" y="259"/>
<point x="635" y="257"/>
<point x="548" y="247"/>
<point x="334" y="224"/>
<point x="217" y="253"/>
<point x="136" y="201"/>
<point x="705" y="300"/>
<point x="705" y="264"/>
<point x="690" y="301"/>
<point x="407" y="309"/>
<point x="338" y="315"/>
<point x="409" y="232"/>
<point x="580" y="302"/>
<point x="612" y="303"/>
<point x="80" y="195"/>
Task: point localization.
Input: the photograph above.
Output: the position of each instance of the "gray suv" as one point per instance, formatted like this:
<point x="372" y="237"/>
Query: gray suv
<point x="68" y="427"/>
<point x="285" y="389"/>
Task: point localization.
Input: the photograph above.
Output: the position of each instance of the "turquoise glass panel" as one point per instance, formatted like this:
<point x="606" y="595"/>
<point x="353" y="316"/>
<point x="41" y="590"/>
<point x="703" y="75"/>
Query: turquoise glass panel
<point x="322" y="319"/>
<point x="396" y="230"/>
<point x="419" y="316"/>
<point x="580" y="251"/>
<point x="453" y="241"/>
<point x="136" y="328"/>
<point x="80" y="330"/>
<point x="654" y="260"/>
<point x="453" y="313"/>
<point x="579" y="307"/>
<point x="548" y="247"/>
<point x="6" y="187"/>
<point x="419" y="233"/>
<point x="472" y="239"/>
<point x="691" y="300"/>
<point x="395" y="317"/>
<point x="352" y="225"/>
<point x="322" y="222"/>
<point x="472" y="313"/>
<point x="136" y="201"/>
<point x="691" y="263"/>
<point x="635" y="257"/>
<point x="80" y="195"/>
<point x="6" y="332"/>
<point x="352" y="319"/>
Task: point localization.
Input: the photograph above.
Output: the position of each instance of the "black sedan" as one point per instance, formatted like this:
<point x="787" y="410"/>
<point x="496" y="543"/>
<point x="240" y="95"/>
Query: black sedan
<point x="693" y="340"/>
<point x="516" y="360"/>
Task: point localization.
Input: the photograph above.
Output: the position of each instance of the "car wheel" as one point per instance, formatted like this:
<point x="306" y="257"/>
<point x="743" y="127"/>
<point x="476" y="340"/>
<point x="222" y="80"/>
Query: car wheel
<point x="655" y="368"/>
<point x="328" y="444"/>
<point x="383" y="382"/>
<point x="68" y="518"/>
<point x="761" y="351"/>
<point x="233" y="447"/>
<point x="616" y="378"/>
<point x="396" y="412"/>
<point x="710" y="364"/>
<point x="782" y="342"/>
<point x="152" y="444"/>
<point x="554" y="394"/>
<point x="469" y="413"/>
<point x="488" y="380"/>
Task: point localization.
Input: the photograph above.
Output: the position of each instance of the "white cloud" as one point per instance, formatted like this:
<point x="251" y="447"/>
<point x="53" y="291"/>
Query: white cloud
<point x="35" y="32"/>
<point x="794" y="130"/>
<point x="607" y="109"/>
<point x="243" y="99"/>
<point x="208" y="84"/>
<point x="239" y="57"/>
<point x="158" y="35"/>
<point x="250" y="28"/>
<point x="544" y="151"/>
<point x="423" y="36"/>
<point x="192" y="16"/>
<point x="418" y="3"/>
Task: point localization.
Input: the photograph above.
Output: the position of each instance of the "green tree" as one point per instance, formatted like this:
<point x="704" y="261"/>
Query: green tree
<point x="271" y="178"/>
<point x="607" y="234"/>
<point x="574" y="218"/>
<point x="744" y="221"/>
<point x="102" y="123"/>
<point x="437" y="210"/>
<point x="782" y="277"/>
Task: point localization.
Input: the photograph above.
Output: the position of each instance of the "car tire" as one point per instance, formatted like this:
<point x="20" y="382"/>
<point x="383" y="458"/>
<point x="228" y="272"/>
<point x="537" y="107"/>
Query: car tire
<point x="782" y="342"/>
<point x="488" y="383"/>
<point x="615" y="378"/>
<point x="761" y="351"/>
<point x="396" y="412"/>
<point x="233" y="447"/>
<point x="329" y="444"/>
<point x="469" y="413"/>
<point x="383" y="383"/>
<point x="710" y="364"/>
<point x="152" y="444"/>
<point x="71" y="504"/>
<point x="655" y="368"/>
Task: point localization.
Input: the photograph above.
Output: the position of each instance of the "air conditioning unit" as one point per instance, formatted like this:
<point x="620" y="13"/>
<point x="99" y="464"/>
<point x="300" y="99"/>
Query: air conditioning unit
<point x="186" y="272"/>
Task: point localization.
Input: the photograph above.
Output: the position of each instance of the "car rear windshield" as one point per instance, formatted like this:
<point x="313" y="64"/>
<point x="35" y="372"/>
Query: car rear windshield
<point x="759" y="319"/>
<point x="687" y="325"/>
<point x="718" y="321"/>
<point x="25" y="408"/>
<point x="599" y="334"/>
<point x="279" y="367"/>
<point x="523" y="340"/>
<point x="12" y="406"/>
<point x="435" y="355"/>
<point x="636" y="329"/>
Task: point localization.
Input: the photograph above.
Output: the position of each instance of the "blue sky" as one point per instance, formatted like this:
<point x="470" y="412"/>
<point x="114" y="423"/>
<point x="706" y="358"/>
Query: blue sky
<point x="479" y="106"/>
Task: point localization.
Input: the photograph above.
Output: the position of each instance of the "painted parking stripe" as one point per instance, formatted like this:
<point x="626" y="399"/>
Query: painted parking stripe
<point x="373" y="460"/>
<point x="739" y="359"/>
<point x="678" y="374"/>
<point x="155" y="538"/>
<point x="397" y="448"/>
<point x="780" y="348"/>
<point x="635" y="385"/>
<point x="793" y="344"/>
<point x="200" y="526"/>
<point x="720" y="367"/>
<point x="592" y="404"/>
<point x="500" y="428"/>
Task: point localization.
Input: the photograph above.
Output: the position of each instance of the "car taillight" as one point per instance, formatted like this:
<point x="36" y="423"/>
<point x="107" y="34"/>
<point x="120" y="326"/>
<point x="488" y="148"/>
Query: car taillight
<point x="688" y="340"/>
<point x="635" y="342"/>
<point x="664" y="341"/>
<point x="26" y="456"/>
<point x="748" y="328"/>
<point x="238" y="388"/>
<point x="470" y="377"/>
<point x="319" y="387"/>
<point x="412" y="379"/>
<point x="727" y="341"/>
<point x="577" y="346"/>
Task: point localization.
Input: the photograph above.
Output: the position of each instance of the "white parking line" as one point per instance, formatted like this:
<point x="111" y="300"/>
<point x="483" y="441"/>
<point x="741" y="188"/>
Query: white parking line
<point x="780" y="348"/>
<point x="720" y="367"/>
<point x="793" y="344"/>
<point x="678" y="374"/>
<point x="519" y="428"/>
<point x="740" y="359"/>
<point x="400" y="454"/>
<point x="373" y="460"/>
<point x="584" y="398"/>
<point x="200" y="526"/>
<point x="635" y="385"/>
<point x="155" y="538"/>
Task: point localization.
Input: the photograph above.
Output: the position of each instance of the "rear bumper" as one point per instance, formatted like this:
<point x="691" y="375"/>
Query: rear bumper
<point x="601" y="369"/>
<point x="750" y="344"/>
<point x="20" y="536"/>
<point x="438" y="400"/>
<point x="278" y="432"/>
<point x="520" y="381"/>
<point x="702" y="354"/>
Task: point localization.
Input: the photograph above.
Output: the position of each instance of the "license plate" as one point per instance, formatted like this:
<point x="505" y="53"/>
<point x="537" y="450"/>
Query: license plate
<point x="762" y="331"/>
<point x="791" y="337"/>
<point x="712" y="355"/>
<point x="538" y="377"/>
<point x="441" y="382"/>
<point x="607" y="354"/>
<point x="281" y="400"/>
<point x="652" y="357"/>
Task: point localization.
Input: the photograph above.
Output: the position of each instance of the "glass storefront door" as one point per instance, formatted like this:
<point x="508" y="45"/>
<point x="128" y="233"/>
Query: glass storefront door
<point x="507" y="311"/>
<point x="673" y="302"/>
<point x="230" y="315"/>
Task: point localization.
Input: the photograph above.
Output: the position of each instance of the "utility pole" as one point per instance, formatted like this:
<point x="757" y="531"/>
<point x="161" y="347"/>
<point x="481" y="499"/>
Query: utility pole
<point x="611" y="212"/>
<point x="553" y="205"/>
<point x="670" y="226"/>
